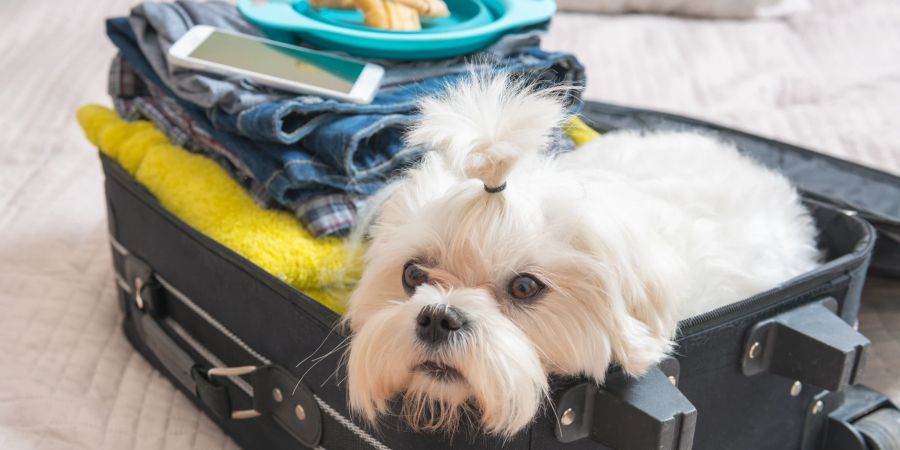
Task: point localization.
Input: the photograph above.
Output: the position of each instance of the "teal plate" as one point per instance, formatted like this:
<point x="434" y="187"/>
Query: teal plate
<point x="472" y="25"/>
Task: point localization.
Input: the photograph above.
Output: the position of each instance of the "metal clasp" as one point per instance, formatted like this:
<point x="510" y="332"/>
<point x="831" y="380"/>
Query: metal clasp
<point x="235" y="372"/>
<point x="138" y="297"/>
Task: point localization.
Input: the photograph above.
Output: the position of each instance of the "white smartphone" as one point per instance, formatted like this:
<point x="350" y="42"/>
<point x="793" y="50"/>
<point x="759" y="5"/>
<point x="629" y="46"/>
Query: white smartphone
<point x="275" y="64"/>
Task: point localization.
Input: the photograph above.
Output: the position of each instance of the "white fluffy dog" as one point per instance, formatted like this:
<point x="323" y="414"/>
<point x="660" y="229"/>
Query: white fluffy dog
<point x="492" y="265"/>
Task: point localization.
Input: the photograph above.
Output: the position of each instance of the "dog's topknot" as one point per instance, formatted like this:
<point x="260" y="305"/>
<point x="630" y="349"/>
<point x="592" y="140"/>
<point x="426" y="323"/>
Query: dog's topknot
<point x="484" y="124"/>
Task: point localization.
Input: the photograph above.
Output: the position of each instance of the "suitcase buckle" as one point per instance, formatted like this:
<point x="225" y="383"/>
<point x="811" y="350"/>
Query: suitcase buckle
<point x="235" y="372"/>
<point x="230" y="371"/>
<point x="295" y="410"/>
<point x="215" y="395"/>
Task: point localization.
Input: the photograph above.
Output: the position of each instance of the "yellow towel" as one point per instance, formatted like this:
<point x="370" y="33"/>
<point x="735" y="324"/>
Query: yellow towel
<point x="579" y="131"/>
<point x="200" y="192"/>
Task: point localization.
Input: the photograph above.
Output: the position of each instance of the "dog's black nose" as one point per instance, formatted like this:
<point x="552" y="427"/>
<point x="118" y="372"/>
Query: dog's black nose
<point x="437" y="322"/>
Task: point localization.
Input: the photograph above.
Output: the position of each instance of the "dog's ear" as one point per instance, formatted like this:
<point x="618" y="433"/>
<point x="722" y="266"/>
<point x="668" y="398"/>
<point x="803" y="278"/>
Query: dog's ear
<point x="484" y="124"/>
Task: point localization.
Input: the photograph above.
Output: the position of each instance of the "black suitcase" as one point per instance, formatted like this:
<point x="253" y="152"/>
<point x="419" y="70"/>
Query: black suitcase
<point x="775" y="371"/>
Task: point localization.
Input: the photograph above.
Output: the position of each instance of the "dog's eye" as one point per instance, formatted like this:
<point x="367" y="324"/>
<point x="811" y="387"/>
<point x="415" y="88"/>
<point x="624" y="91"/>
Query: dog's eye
<point x="413" y="276"/>
<point x="524" y="287"/>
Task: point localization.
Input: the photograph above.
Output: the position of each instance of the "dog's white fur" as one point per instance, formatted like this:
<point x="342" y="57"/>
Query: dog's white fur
<point x="629" y="233"/>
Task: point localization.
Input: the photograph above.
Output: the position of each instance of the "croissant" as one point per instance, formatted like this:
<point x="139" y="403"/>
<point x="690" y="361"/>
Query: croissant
<point x="389" y="15"/>
<point x="427" y="8"/>
<point x="400" y="15"/>
<point x="333" y="4"/>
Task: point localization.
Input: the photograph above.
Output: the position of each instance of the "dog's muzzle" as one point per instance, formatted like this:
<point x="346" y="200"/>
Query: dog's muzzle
<point x="437" y="323"/>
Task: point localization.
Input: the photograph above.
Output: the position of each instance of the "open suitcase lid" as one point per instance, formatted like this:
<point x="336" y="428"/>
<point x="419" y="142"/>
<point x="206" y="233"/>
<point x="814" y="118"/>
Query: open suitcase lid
<point x="873" y="194"/>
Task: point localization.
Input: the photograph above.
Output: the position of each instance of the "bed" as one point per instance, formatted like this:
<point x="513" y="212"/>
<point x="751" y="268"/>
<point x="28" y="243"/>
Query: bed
<point x="827" y="79"/>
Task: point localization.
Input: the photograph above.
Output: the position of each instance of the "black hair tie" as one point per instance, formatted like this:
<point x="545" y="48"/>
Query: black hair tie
<point x="494" y="190"/>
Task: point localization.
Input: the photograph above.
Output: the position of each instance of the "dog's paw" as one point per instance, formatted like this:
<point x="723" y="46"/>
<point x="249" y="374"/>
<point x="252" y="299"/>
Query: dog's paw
<point x="636" y="349"/>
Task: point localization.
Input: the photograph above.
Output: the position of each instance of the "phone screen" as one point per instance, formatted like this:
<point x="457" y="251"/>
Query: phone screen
<point x="282" y="61"/>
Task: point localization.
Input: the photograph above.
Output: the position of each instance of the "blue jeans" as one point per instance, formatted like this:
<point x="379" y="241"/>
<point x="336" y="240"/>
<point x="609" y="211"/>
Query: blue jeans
<point x="336" y="147"/>
<point x="291" y="120"/>
<point x="290" y="174"/>
<point x="158" y="25"/>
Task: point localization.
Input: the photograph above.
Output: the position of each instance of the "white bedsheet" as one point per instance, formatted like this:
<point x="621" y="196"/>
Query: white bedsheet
<point x="829" y="80"/>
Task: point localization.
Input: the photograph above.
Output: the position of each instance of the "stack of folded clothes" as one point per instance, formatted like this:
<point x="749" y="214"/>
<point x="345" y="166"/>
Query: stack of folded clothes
<point x="311" y="157"/>
<point x="319" y="158"/>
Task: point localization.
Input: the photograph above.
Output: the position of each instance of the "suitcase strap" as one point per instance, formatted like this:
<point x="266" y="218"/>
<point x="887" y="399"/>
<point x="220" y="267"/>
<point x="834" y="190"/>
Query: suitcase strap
<point x="275" y="391"/>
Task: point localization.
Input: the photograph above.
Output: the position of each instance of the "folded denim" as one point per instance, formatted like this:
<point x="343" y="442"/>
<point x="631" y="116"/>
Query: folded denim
<point x="297" y="119"/>
<point x="344" y="154"/>
<point x="290" y="173"/>
<point x="351" y="151"/>
<point x="158" y="25"/>
<point x="323" y="215"/>
<point x="236" y="104"/>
